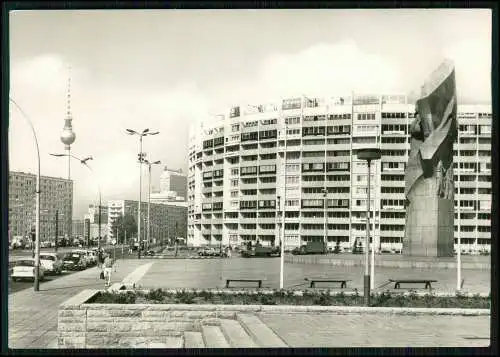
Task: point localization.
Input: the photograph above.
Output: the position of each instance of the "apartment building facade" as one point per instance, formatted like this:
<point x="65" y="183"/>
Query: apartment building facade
<point x="167" y="220"/>
<point x="257" y="161"/>
<point x="56" y="195"/>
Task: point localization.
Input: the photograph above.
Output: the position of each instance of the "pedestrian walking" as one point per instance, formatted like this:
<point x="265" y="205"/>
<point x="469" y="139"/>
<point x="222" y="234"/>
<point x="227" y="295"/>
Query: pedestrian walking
<point x="108" y="267"/>
<point x="101" y="257"/>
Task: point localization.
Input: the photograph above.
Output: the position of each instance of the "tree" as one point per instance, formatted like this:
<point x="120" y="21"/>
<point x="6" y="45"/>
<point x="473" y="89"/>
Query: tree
<point x="124" y="224"/>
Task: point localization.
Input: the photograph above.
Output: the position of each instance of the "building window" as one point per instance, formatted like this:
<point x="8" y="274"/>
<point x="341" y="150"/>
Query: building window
<point x="292" y="120"/>
<point x="294" y="103"/>
<point x="337" y="166"/>
<point x="250" y="170"/>
<point x="267" y="169"/>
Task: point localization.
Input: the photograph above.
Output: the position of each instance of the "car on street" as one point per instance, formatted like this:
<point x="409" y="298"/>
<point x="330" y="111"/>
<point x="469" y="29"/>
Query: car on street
<point x="25" y="269"/>
<point x="51" y="263"/>
<point x="90" y="258"/>
<point x="74" y="261"/>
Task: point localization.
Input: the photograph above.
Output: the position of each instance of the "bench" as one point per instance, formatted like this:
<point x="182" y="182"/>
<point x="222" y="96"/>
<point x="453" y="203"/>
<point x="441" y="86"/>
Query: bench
<point x="259" y="281"/>
<point x="398" y="282"/>
<point x="343" y="282"/>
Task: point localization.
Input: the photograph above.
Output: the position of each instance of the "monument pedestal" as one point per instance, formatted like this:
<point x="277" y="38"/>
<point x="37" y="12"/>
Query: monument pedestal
<point x="429" y="221"/>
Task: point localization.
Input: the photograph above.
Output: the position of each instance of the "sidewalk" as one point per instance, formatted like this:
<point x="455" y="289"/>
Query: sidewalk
<point x="33" y="315"/>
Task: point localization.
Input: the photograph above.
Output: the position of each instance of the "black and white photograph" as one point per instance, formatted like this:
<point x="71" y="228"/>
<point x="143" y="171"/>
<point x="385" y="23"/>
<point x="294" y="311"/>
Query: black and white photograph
<point x="249" y="178"/>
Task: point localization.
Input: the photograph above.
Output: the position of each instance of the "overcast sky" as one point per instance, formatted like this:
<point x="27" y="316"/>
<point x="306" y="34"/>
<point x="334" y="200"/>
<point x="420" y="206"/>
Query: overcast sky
<point x="165" y="69"/>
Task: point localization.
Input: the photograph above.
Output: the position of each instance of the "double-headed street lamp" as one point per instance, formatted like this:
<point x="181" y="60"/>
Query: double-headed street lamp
<point x="147" y="162"/>
<point x="368" y="154"/>
<point x="84" y="162"/>
<point x="144" y="133"/>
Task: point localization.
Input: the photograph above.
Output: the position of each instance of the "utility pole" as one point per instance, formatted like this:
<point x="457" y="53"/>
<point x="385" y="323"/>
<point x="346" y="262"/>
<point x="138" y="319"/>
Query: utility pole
<point x="57" y="228"/>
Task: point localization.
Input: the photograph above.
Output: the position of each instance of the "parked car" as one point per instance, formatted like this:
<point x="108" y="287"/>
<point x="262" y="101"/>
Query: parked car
<point x="90" y="258"/>
<point x="74" y="261"/>
<point x="25" y="269"/>
<point x="51" y="263"/>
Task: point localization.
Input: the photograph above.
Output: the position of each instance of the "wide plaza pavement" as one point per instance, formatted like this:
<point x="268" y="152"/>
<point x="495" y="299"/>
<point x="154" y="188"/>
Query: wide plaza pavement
<point x="33" y="315"/>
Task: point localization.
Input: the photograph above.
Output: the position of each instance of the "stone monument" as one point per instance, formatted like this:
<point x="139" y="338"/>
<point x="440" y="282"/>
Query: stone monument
<point x="429" y="188"/>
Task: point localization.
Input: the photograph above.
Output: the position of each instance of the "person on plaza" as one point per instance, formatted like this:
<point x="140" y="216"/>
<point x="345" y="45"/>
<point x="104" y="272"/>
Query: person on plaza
<point x="108" y="267"/>
<point x="101" y="257"/>
<point x="228" y="252"/>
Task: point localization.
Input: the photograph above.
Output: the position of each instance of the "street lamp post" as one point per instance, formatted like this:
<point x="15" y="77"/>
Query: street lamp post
<point x="57" y="227"/>
<point x="325" y="204"/>
<point x="368" y="154"/>
<point x="144" y="133"/>
<point x="36" y="284"/>
<point x="84" y="162"/>
<point x="149" y="197"/>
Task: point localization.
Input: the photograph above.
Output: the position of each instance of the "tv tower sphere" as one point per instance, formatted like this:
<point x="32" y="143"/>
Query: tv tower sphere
<point x="68" y="136"/>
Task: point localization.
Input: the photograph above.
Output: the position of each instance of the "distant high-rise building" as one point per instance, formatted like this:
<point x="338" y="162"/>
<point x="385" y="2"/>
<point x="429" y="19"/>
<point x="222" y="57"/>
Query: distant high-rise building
<point x="79" y="228"/>
<point x="175" y="181"/>
<point x="168" y="220"/>
<point x="93" y="222"/>
<point x="259" y="160"/>
<point x="56" y="195"/>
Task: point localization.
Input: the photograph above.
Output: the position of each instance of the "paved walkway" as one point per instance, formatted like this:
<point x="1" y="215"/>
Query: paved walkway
<point x="33" y="315"/>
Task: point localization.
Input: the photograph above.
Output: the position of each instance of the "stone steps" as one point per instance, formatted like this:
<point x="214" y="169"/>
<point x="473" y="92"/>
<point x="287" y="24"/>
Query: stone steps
<point x="236" y="335"/>
<point x="259" y="331"/>
<point x="213" y="337"/>
<point x="193" y="340"/>
<point x="247" y="331"/>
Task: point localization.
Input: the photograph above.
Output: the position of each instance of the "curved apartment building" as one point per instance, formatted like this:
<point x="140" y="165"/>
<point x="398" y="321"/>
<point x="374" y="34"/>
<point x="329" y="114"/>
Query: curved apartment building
<point x="258" y="161"/>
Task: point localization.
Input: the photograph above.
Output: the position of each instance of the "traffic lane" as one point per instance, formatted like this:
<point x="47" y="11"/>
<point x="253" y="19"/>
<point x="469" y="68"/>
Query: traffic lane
<point x="15" y="286"/>
<point x="22" y="252"/>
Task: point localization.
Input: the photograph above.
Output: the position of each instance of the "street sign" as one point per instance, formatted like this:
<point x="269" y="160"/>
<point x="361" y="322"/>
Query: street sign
<point x="113" y="241"/>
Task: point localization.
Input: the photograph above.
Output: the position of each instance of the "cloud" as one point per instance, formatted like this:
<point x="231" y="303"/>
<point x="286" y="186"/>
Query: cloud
<point x="472" y="60"/>
<point x="101" y="113"/>
<point x="323" y="69"/>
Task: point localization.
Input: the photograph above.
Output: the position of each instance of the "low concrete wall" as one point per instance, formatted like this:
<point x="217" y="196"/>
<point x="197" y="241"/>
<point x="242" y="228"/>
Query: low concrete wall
<point x="385" y="262"/>
<point x="89" y="325"/>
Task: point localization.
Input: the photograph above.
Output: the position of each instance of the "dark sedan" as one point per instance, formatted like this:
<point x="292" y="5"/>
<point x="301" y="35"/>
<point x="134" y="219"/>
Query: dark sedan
<point x="74" y="261"/>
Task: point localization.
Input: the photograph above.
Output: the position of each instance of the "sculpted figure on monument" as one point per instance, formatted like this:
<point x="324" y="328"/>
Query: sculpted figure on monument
<point x="433" y="132"/>
<point x="429" y="186"/>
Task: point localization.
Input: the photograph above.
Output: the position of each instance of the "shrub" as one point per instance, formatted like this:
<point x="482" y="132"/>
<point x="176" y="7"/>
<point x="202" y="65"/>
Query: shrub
<point x="265" y="299"/>
<point x="184" y="297"/>
<point x="324" y="299"/>
<point x="206" y="295"/>
<point x="155" y="295"/>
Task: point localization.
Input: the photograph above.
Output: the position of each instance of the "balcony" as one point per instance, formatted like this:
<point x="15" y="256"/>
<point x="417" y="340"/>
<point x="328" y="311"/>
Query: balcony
<point x="267" y="197"/>
<point x="391" y="146"/>
<point x="392" y="208"/>
<point x="265" y="185"/>
<point x="314" y="183"/>
<point x="247" y="231"/>
<point x="268" y="220"/>
<point x="392" y="196"/>
<point x="320" y="147"/>
<point x="248" y="152"/>
<point x="247" y="220"/>
<point x="264" y="151"/>
<point x="338" y="232"/>
<point x="394" y="234"/>
<point x="217" y="188"/>
<point x="393" y="133"/>
<point x="206" y="190"/>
